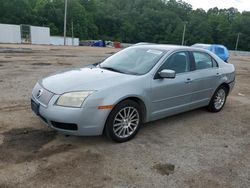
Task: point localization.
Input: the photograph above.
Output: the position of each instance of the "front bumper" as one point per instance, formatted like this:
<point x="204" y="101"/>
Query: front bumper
<point x="231" y="85"/>
<point x="72" y="121"/>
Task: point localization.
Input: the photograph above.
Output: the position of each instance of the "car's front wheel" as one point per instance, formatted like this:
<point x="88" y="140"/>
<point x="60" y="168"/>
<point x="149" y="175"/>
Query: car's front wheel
<point x="218" y="100"/>
<point x="124" y="121"/>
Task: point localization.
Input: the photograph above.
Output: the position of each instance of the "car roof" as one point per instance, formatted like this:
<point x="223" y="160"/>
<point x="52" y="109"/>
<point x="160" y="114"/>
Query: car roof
<point x="202" y="45"/>
<point x="208" y="45"/>
<point x="165" y="47"/>
<point x="168" y="47"/>
<point x="172" y="48"/>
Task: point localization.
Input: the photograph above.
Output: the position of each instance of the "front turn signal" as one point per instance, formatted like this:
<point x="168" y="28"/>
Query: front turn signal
<point x="106" y="107"/>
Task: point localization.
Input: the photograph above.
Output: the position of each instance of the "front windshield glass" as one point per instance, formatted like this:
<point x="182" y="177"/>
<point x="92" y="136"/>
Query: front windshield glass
<point x="136" y="61"/>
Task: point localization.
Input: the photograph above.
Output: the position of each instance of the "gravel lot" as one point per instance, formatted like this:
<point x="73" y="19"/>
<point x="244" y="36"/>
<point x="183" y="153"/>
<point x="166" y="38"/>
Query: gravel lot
<point x="193" y="149"/>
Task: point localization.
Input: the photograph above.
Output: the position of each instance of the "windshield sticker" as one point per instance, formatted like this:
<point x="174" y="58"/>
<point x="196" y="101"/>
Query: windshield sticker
<point x="157" y="52"/>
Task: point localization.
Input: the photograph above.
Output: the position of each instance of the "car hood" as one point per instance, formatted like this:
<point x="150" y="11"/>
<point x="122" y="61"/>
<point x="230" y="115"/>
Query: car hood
<point x="82" y="79"/>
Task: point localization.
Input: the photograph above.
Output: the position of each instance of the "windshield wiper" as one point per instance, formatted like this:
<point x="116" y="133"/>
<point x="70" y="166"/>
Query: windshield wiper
<point x="111" y="69"/>
<point x="116" y="70"/>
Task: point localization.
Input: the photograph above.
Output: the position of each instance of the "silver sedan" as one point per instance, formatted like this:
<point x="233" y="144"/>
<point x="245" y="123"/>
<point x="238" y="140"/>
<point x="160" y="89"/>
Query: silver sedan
<point x="139" y="84"/>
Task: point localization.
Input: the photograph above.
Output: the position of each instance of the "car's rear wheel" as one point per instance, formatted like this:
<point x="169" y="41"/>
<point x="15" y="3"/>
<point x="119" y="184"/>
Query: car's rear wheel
<point x="218" y="100"/>
<point x="124" y="121"/>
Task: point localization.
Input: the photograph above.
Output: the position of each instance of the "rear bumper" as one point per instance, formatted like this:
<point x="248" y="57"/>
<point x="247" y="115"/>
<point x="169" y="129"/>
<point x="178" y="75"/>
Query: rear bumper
<point x="73" y="121"/>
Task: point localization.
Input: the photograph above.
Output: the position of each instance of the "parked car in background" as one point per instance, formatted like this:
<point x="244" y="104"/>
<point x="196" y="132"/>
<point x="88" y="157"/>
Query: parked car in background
<point x="219" y="50"/>
<point x="139" y="84"/>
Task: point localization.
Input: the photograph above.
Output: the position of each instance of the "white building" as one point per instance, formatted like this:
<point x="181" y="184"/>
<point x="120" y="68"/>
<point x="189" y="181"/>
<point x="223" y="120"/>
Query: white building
<point x="24" y="34"/>
<point x="57" y="40"/>
<point x="32" y="35"/>
<point x="10" y="33"/>
<point x="39" y="35"/>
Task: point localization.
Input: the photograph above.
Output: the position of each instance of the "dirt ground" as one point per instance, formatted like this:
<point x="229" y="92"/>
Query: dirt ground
<point x="193" y="149"/>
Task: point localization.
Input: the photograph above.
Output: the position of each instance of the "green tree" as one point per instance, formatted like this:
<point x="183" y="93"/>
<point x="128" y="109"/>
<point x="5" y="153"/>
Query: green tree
<point x="159" y="21"/>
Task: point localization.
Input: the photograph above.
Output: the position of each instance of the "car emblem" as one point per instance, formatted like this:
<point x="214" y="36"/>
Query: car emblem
<point x="39" y="93"/>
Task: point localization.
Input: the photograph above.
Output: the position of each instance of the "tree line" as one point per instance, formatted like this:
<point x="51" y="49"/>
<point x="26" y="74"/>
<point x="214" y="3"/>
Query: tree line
<point x="132" y="21"/>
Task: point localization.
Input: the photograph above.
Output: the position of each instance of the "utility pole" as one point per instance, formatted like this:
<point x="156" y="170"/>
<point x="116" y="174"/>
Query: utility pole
<point x="183" y="34"/>
<point x="237" y="41"/>
<point x="65" y="21"/>
<point x="72" y="32"/>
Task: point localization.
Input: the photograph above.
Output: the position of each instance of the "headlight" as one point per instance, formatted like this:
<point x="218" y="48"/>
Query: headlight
<point x="73" y="99"/>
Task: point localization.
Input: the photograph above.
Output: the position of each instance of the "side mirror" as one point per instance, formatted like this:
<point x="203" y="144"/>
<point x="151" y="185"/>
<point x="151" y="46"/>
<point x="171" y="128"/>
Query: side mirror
<point x="166" y="73"/>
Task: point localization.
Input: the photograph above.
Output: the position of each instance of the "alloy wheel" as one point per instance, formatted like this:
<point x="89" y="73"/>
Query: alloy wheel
<point x="126" y="121"/>
<point x="219" y="99"/>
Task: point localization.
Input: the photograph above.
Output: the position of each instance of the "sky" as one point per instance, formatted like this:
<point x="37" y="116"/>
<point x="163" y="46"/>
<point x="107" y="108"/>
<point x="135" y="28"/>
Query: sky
<point x="241" y="5"/>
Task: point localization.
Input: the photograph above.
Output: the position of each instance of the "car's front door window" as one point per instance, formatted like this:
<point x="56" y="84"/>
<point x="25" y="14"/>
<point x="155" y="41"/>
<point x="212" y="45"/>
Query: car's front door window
<point x="179" y="62"/>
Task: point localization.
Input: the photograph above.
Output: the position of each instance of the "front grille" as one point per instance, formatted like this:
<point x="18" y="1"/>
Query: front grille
<point x="45" y="96"/>
<point x="66" y="126"/>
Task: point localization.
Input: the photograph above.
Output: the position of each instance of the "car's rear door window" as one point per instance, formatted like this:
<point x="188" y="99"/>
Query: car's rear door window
<point x="203" y="61"/>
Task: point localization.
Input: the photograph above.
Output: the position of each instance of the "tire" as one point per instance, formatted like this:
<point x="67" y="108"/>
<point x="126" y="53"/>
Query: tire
<point x="124" y="121"/>
<point x="218" y="100"/>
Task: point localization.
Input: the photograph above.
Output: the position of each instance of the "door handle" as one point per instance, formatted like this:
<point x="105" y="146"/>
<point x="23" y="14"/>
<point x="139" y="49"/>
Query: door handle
<point x="188" y="81"/>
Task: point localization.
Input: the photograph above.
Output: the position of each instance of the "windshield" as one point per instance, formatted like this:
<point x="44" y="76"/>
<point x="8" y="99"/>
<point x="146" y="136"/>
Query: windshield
<point x="136" y="61"/>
